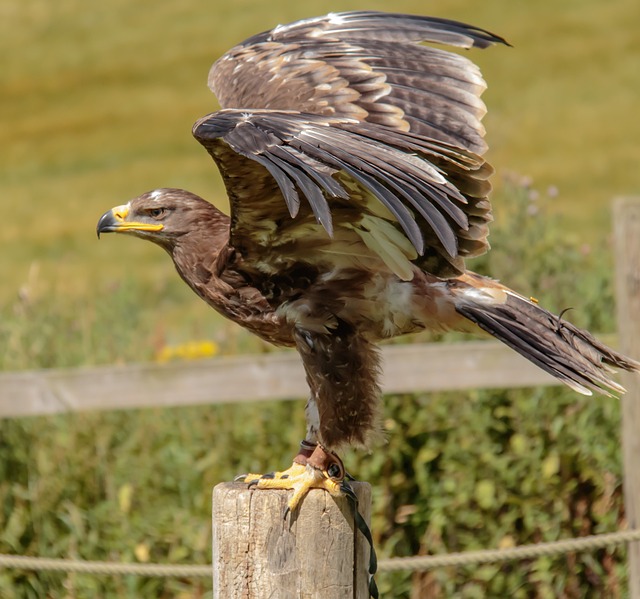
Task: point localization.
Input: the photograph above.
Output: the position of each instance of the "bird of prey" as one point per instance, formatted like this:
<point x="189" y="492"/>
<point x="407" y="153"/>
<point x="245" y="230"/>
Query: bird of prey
<point x="352" y="153"/>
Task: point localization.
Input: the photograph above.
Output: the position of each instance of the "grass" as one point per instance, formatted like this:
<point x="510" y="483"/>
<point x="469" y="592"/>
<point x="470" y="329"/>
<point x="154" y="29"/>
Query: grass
<point x="97" y="101"/>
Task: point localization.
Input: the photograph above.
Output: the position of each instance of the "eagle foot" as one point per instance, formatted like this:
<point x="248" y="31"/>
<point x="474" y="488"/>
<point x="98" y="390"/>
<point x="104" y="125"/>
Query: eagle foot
<point x="313" y="468"/>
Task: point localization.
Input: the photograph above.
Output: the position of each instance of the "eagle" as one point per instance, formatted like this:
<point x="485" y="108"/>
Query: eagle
<point x="351" y="147"/>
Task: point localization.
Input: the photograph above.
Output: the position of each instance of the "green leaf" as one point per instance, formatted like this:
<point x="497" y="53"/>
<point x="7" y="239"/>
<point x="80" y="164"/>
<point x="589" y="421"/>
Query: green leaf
<point x="485" y="494"/>
<point x="550" y="465"/>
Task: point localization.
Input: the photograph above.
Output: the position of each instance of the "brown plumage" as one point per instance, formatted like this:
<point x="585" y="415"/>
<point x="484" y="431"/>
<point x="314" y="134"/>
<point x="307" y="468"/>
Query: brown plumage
<point x="351" y="155"/>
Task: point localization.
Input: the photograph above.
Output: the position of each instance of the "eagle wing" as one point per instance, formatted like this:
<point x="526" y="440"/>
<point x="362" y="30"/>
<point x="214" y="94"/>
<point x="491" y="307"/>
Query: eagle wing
<point x="344" y="127"/>
<point x="364" y="65"/>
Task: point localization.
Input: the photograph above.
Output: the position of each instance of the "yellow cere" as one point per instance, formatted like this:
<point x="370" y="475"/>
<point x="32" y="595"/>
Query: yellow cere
<point x="120" y="212"/>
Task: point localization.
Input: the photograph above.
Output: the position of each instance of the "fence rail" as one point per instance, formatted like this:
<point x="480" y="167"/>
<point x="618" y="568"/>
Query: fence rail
<point x="263" y="377"/>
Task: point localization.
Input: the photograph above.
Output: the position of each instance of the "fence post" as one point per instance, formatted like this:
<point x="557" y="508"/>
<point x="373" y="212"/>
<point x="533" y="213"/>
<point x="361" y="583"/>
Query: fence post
<point x="316" y="553"/>
<point x="627" y="256"/>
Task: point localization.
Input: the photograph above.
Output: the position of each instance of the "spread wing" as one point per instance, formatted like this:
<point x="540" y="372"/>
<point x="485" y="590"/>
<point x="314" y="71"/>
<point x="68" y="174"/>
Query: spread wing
<point x="299" y="182"/>
<point x="344" y="137"/>
<point x="364" y="65"/>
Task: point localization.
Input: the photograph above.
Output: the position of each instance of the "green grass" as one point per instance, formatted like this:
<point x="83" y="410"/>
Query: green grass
<point x="97" y="101"/>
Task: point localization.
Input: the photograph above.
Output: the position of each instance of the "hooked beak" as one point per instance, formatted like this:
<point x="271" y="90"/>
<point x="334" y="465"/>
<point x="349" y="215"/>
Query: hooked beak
<point x="115" y="221"/>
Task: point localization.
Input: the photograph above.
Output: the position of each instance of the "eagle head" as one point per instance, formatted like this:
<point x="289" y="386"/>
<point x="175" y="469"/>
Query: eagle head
<point x="162" y="216"/>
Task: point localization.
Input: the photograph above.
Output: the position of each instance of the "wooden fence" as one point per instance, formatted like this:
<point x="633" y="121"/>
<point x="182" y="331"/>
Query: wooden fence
<point x="263" y="377"/>
<point x="408" y="368"/>
<point x="626" y="229"/>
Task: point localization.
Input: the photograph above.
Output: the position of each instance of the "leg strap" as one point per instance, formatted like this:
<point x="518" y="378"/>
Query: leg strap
<point x="306" y="449"/>
<point x="328" y="463"/>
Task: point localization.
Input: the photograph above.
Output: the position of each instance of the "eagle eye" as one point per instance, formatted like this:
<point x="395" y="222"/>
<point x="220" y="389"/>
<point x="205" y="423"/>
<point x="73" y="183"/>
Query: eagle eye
<point x="156" y="213"/>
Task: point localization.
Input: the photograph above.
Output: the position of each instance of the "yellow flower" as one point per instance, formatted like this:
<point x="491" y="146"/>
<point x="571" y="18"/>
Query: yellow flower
<point x="141" y="551"/>
<point x="192" y="350"/>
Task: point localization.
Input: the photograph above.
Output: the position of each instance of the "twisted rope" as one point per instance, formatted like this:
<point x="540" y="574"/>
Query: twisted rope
<point x="109" y="568"/>
<point x="414" y="564"/>
<point x="492" y="556"/>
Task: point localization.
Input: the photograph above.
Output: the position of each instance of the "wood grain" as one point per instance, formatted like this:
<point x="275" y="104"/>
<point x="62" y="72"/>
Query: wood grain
<point x="627" y="244"/>
<point x="316" y="554"/>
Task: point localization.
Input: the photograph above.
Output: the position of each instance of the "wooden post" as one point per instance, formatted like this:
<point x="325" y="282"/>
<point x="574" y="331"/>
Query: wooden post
<point x="316" y="554"/>
<point x="627" y="255"/>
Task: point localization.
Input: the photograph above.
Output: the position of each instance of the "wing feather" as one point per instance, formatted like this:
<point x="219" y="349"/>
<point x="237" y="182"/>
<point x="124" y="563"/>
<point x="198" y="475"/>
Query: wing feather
<point x="399" y="26"/>
<point x="289" y="192"/>
<point x="372" y="170"/>
<point x="362" y="65"/>
<point x="416" y="175"/>
<point x="390" y="201"/>
<point x="430" y="213"/>
<point x="328" y="183"/>
<point x="373" y="181"/>
<point x="347" y="123"/>
<point x="344" y="173"/>
<point x="311" y="191"/>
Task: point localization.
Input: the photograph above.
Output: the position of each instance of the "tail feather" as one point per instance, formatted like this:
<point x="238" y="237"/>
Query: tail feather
<point x="570" y="354"/>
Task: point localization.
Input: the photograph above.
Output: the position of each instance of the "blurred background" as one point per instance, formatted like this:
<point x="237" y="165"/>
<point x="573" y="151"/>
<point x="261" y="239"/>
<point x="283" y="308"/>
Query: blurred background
<point x="97" y="101"/>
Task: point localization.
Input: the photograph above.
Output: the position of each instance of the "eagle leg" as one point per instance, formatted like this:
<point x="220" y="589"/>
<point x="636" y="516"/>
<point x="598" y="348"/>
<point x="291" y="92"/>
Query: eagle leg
<point x="313" y="468"/>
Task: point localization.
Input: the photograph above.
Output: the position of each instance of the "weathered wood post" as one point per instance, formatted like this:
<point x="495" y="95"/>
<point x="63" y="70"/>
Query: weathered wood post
<point x="627" y="256"/>
<point x="315" y="553"/>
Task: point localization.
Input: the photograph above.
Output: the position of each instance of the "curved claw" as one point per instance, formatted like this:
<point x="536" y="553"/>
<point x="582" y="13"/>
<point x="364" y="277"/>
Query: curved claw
<point x="312" y="469"/>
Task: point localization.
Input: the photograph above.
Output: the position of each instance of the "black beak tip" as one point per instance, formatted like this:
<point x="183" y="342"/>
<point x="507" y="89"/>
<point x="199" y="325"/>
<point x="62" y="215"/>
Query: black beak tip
<point x="105" y="224"/>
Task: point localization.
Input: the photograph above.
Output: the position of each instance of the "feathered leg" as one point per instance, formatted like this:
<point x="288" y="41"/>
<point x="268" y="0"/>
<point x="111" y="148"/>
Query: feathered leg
<point x="342" y="371"/>
<point x="313" y="420"/>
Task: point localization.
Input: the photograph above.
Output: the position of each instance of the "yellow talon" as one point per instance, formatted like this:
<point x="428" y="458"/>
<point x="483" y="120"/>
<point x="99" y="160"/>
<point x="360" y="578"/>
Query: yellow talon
<point x="323" y="470"/>
<point x="279" y="477"/>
